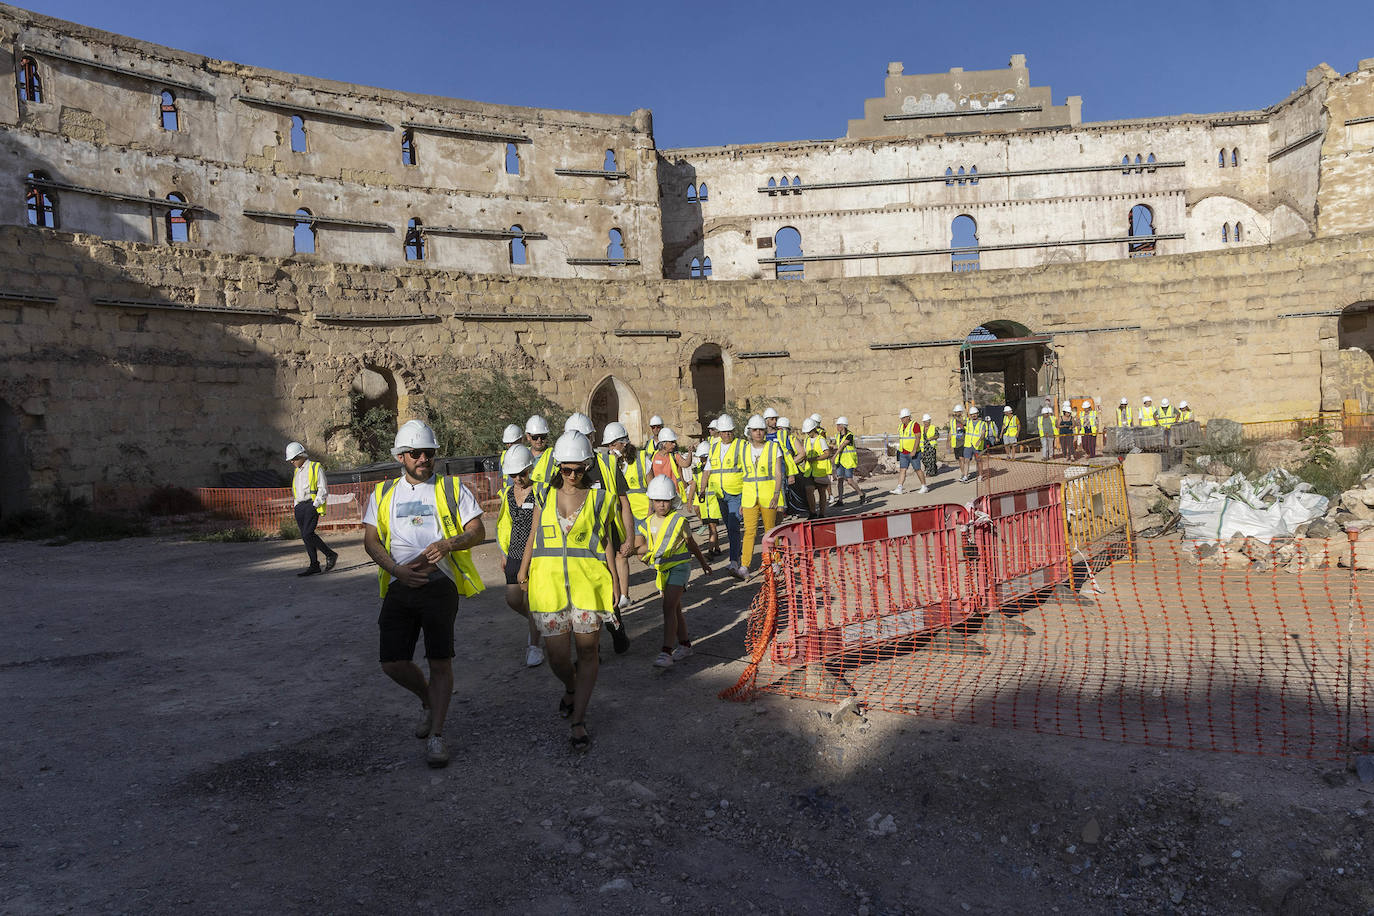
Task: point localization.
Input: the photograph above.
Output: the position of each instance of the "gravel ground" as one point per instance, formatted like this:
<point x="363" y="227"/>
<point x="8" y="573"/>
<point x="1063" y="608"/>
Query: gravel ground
<point x="188" y="725"/>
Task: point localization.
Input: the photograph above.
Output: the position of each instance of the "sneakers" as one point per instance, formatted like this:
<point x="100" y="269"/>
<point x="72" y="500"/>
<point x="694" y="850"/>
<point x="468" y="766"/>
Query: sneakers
<point x="664" y="660"/>
<point x="425" y="724"/>
<point x="436" y="753"/>
<point x="620" y="640"/>
<point x="738" y="571"/>
<point x="923" y="490"/>
<point x="682" y="651"/>
<point x="310" y="571"/>
<point x="534" y="656"/>
<point x="624" y="602"/>
<point x="330" y="561"/>
<point x="897" y="491"/>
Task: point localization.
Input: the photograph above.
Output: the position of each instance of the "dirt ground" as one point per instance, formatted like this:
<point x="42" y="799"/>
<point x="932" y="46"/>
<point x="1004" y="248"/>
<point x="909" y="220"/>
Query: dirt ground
<point x="189" y="725"/>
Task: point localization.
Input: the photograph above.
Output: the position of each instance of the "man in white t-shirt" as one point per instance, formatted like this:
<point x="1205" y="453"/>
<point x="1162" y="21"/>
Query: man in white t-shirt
<point x="419" y="529"/>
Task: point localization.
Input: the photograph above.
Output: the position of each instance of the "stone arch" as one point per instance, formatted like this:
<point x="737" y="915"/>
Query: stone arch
<point x="1004" y="363"/>
<point x="1348" y="374"/>
<point x="14" y="462"/>
<point x="610" y="400"/>
<point x="373" y="388"/>
<point x="708" y="381"/>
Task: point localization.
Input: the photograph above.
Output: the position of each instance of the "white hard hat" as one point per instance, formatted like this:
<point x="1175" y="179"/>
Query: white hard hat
<point x="725" y="423"/>
<point x="810" y="425"/>
<point x="517" y="458"/>
<point x="816" y="417"/>
<point x="903" y="413"/>
<point x="1006" y="409"/>
<point x="511" y="435"/>
<point x="703" y="449"/>
<point x="841" y="421"/>
<point x="1124" y="401"/>
<point x="655" y="420"/>
<point x="1087" y="402"/>
<point x="580" y="422"/>
<point x="572" y="446"/>
<point x="661" y="487"/>
<point x="957" y="408"/>
<point x="784" y="423"/>
<point x="413" y="434"/>
<point x="294" y="450"/>
<point x="925" y="418"/>
<point x="973" y="411"/>
<point x="1067" y="406"/>
<point x="756" y="422"/>
<point x="666" y="434"/>
<point x="614" y="431"/>
<point x="769" y="413"/>
<point x="1046" y="409"/>
<point x="1164" y="402"/>
<point x="1182" y="403"/>
<point x="537" y="426"/>
<point x="714" y="424"/>
<point x="1146" y="398"/>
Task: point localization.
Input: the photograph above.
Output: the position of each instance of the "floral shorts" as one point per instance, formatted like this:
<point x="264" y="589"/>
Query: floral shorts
<point x="557" y="623"/>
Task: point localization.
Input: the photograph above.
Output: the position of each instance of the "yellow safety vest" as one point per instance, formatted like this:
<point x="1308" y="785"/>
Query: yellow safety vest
<point x="312" y="470"/>
<point x="669" y="547"/>
<point x="816" y="465"/>
<point x="1185" y="415"/>
<point x="704" y="499"/>
<point x="727" y="468"/>
<point x="650" y="445"/>
<point x="1045" y="424"/>
<point x="1013" y="427"/>
<point x="957" y="433"/>
<point x="906" y="438"/>
<point x="930" y="434"/>
<point x="457" y="565"/>
<point x="789" y="452"/>
<point x="849" y="456"/>
<point x="1147" y="416"/>
<point x="503" y="520"/>
<point x="760" y="486"/>
<point x="569" y="570"/>
<point x="637" y="484"/>
<point x="975" y="437"/>
<point x="545" y="468"/>
<point x="1089" y="424"/>
<point x="1123" y="416"/>
<point x="1167" y="417"/>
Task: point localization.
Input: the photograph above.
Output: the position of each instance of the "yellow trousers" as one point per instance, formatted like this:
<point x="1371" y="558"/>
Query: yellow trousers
<point x="751" y="521"/>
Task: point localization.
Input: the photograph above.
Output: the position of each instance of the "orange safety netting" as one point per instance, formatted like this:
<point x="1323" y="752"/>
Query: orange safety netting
<point x="1263" y="650"/>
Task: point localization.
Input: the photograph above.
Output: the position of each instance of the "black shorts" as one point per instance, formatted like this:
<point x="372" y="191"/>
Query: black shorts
<point x="406" y="612"/>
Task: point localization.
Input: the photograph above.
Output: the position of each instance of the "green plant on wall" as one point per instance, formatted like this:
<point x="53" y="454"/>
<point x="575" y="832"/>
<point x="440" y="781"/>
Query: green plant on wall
<point x="469" y="415"/>
<point x="373" y="429"/>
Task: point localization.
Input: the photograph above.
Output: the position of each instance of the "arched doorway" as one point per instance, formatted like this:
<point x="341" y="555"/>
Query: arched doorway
<point x="373" y="409"/>
<point x="613" y="400"/>
<point x="14" y="463"/>
<point x="708" y="380"/>
<point x="1348" y="374"/>
<point x="1002" y="363"/>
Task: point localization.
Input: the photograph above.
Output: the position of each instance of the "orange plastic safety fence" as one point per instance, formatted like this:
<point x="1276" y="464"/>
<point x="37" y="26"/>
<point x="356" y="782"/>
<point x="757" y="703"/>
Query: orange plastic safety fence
<point x="1258" y="649"/>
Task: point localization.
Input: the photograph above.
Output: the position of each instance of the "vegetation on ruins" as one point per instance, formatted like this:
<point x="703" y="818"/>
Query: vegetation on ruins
<point x="469" y="416"/>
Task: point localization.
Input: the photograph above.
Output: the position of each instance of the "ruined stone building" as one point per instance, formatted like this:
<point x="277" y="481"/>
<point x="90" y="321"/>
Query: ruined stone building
<point x="203" y="259"/>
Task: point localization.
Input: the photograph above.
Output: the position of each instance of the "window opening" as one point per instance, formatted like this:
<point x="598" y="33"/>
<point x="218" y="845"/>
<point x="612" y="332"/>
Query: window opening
<point x="1221" y="159"/>
<point x="170" y="120"/>
<point x="303" y="240"/>
<point x="297" y="134"/>
<point x="1138" y="161"/>
<point x="512" y="159"/>
<point x="178" y="229"/>
<point x="706" y="267"/>
<point x="772" y="182"/>
<point x="1225" y="233"/>
<point x="518" y="252"/>
<point x="415" y="241"/>
<point x="702" y="192"/>
<point x="41" y="204"/>
<point x="961" y="174"/>
<point x="949" y="176"/>
<point x="408" y="147"/>
<point x="1235" y="157"/>
<point x="963" y="242"/>
<point x="796" y="181"/>
<point x="1142" y="225"/>
<point x="609" y="164"/>
<point x="1126" y="160"/>
<point x="691" y="194"/>
<point x="973" y="174"/>
<point x="787" y="241"/>
<point x="694" y="268"/>
<point x="30" y="85"/>
<point x="1237" y="232"/>
<point x="783" y="183"/>
<point x="1150" y="161"/>
<point x="616" y="249"/>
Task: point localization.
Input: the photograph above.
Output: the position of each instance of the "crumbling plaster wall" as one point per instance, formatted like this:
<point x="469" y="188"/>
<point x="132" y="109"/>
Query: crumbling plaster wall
<point x="103" y="130"/>
<point x="116" y="395"/>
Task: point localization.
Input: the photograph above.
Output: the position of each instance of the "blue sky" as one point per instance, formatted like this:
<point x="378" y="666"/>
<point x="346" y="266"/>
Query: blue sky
<point x="746" y="72"/>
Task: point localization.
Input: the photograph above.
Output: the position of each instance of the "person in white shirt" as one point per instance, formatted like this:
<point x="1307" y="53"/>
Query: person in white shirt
<point x="419" y="529"/>
<point x="309" y="497"/>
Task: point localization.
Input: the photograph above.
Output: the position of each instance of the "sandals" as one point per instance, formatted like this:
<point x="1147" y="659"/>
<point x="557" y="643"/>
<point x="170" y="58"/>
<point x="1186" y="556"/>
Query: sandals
<point x="580" y="742"/>
<point x="565" y="706"/>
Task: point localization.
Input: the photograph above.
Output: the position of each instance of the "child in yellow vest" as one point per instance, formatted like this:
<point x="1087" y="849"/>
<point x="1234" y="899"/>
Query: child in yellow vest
<point x="664" y="542"/>
<point x="703" y="502"/>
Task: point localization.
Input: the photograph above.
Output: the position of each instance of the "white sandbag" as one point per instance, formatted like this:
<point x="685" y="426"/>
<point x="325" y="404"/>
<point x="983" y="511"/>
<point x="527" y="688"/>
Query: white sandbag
<point x="1273" y="506"/>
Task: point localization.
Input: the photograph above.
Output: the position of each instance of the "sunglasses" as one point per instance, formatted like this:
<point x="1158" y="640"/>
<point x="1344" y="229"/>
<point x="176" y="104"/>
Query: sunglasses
<point x="419" y="453"/>
<point x="538" y="436"/>
<point x="570" y="468"/>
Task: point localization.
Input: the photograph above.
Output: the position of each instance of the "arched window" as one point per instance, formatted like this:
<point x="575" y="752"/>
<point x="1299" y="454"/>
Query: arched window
<point x="783" y="182"/>
<point x="178" y="229"/>
<point x="303" y="240"/>
<point x="1150" y="161"/>
<point x="691" y="194"/>
<point x="30" y="86"/>
<point x="787" y="244"/>
<point x="702" y="192"/>
<point x="706" y="267"/>
<point x="963" y="244"/>
<point x="297" y="134"/>
<point x="616" y="249"/>
<point x="772" y="182"/>
<point x="1235" y="157"/>
<point x="1236" y="235"/>
<point x="512" y="159"/>
<point x="170" y="120"/>
<point x="1138" y="161"/>
<point x="42" y="205"/>
<point x="408" y="147"/>
<point x="694" y="268"/>
<point x="973" y="174"/>
<point x="1126" y="160"/>
<point x="796" y="181"/>
<point x="1225" y="233"/>
<point x="415" y="241"/>
<point x="961" y="174"/>
<point x="1142" y="225"/>
<point x="518" y="253"/>
<point x="609" y="164"/>
<point x="949" y="177"/>
<point x="1221" y="159"/>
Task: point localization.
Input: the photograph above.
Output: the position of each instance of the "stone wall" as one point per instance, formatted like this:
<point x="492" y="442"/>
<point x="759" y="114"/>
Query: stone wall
<point x="135" y="394"/>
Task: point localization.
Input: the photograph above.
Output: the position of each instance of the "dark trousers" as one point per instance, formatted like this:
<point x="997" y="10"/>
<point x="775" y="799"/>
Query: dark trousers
<point x="306" y="520"/>
<point x="1090" y="444"/>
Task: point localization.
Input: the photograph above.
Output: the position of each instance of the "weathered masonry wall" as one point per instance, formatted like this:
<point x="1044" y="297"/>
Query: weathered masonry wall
<point x="108" y="387"/>
<point x="98" y="132"/>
